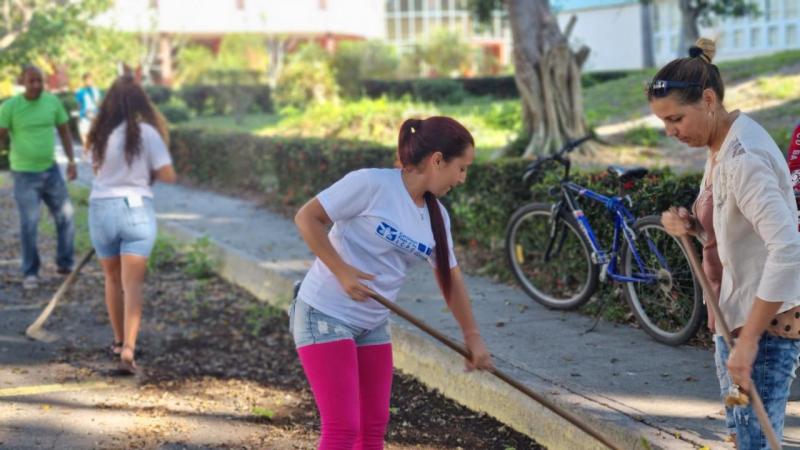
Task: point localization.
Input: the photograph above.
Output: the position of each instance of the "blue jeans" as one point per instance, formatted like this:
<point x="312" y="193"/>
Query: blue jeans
<point x="30" y="189"/>
<point x="773" y="373"/>
<point x="309" y="325"/>
<point x="116" y="228"/>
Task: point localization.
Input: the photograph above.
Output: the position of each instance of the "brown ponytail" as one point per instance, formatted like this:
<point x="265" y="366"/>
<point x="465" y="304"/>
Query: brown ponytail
<point x="418" y="139"/>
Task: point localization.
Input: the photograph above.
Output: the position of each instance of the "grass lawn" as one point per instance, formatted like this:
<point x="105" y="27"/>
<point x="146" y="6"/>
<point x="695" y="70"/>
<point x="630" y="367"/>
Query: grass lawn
<point x="494" y="122"/>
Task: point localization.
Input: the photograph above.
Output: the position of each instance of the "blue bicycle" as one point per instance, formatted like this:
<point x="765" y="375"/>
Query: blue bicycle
<point x="554" y="253"/>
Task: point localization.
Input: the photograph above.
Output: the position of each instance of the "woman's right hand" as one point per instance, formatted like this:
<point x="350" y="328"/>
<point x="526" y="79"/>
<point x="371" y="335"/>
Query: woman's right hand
<point x="350" y="279"/>
<point x="678" y="221"/>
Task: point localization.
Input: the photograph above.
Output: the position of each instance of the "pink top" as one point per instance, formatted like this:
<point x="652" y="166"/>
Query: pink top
<point x="703" y="210"/>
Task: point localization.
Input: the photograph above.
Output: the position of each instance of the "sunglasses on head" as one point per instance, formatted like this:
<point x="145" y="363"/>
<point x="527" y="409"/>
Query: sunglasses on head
<point x="660" y="88"/>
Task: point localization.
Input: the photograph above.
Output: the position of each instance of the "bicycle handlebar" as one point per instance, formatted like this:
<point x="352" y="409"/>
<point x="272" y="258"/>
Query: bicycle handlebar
<point x="558" y="156"/>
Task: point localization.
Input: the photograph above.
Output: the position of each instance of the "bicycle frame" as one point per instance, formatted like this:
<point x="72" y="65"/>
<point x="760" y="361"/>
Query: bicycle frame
<point x="623" y="220"/>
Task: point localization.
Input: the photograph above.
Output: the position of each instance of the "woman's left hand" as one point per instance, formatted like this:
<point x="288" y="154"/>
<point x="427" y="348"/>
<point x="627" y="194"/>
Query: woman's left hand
<point x="481" y="359"/>
<point x="740" y="363"/>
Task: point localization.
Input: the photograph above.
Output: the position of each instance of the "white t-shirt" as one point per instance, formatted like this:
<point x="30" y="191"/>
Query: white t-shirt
<point x="116" y="178"/>
<point x="377" y="229"/>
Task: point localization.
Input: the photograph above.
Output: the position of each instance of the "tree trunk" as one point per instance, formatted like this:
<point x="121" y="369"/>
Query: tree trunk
<point x="648" y="58"/>
<point x="689" y="30"/>
<point x="548" y="77"/>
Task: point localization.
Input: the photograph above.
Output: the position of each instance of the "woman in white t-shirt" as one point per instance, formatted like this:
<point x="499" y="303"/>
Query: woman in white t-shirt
<point x="129" y="152"/>
<point x="747" y="211"/>
<point x="384" y="221"/>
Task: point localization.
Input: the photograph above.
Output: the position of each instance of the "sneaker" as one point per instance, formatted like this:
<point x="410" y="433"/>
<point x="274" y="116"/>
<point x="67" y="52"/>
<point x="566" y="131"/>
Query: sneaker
<point x="30" y="282"/>
<point x="64" y="271"/>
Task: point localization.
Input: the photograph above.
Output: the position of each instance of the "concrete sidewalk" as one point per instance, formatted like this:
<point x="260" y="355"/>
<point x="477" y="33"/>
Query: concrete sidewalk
<point x="640" y="393"/>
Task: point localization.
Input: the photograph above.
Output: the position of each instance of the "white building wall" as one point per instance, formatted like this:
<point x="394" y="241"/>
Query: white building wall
<point x="360" y="18"/>
<point x="614" y="35"/>
<point x="776" y="28"/>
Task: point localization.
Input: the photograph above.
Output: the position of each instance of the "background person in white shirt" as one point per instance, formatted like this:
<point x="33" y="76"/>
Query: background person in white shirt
<point x="755" y="225"/>
<point x="384" y="221"/>
<point x="129" y="152"/>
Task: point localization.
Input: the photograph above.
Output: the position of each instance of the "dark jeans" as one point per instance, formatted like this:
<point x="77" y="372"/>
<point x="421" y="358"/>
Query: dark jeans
<point x="30" y="189"/>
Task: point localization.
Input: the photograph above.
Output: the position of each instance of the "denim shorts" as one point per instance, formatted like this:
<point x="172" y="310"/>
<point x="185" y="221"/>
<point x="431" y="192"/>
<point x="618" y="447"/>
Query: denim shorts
<point x="116" y="228"/>
<point x="773" y="373"/>
<point x="309" y="325"/>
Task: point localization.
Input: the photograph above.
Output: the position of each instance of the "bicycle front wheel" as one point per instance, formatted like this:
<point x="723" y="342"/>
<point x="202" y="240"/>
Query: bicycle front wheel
<point x="670" y="307"/>
<point x="555" y="271"/>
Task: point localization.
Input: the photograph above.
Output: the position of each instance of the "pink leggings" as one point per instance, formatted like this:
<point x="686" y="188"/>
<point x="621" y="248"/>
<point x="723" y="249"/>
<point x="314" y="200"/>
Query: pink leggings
<point x="351" y="386"/>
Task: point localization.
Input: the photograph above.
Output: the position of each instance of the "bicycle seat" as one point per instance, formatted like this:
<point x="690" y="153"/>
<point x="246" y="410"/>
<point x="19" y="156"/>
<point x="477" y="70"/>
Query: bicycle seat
<point x="624" y="174"/>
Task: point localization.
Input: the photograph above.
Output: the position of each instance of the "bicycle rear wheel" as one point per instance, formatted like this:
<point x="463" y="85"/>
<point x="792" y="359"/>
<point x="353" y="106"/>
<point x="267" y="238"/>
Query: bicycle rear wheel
<point x="564" y="280"/>
<point x="670" y="309"/>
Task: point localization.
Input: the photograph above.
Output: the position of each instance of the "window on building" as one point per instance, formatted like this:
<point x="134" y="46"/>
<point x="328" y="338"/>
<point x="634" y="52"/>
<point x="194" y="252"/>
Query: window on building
<point x="771" y="10"/>
<point x="405" y="34"/>
<point x="419" y="26"/>
<point x="791" y="9"/>
<point x="738" y="38"/>
<point x="391" y="33"/>
<point x="657" y="46"/>
<point x="404" y="5"/>
<point x="445" y="5"/>
<point x="656" y="18"/>
<point x="772" y="36"/>
<point x="755" y="37"/>
<point x="791" y="35"/>
<point x="390" y="6"/>
<point x="418" y="5"/>
<point x="721" y="39"/>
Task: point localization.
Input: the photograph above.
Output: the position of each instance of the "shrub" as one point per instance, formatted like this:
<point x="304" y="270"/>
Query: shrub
<point x="158" y="94"/>
<point x="174" y="113"/>
<point x="356" y="60"/>
<point x="440" y="90"/>
<point x="307" y="78"/>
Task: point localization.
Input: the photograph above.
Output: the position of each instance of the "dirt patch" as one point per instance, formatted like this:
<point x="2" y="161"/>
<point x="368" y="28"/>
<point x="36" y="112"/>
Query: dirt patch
<point x="219" y="369"/>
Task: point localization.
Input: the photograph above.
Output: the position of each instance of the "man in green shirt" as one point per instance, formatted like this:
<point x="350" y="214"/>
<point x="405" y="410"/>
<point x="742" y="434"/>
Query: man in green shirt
<point x="29" y="119"/>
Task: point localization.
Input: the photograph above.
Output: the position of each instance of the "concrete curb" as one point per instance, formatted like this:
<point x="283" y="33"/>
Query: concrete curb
<point x="442" y="369"/>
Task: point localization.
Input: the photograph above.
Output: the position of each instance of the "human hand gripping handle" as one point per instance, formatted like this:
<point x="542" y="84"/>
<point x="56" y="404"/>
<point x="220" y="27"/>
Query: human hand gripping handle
<point x="350" y="279"/>
<point x="479" y="356"/>
<point x="678" y="222"/>
<point x="736" y="397"/>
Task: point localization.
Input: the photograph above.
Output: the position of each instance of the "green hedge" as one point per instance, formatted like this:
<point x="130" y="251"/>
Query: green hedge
<point x="224" y="99"/>
<point x="289" y="171"/>
<point x="497" y="87"/>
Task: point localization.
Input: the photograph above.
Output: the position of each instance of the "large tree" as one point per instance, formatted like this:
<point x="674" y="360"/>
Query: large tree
<point x="701" y="12"/>
<point x="34" y="28"/>
<point x="547" y="73"/>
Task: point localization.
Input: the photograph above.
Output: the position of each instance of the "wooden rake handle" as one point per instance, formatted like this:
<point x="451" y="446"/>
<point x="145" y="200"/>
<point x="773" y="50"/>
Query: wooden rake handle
<point x="460" y="349"/>
<point x="755" y="399"/>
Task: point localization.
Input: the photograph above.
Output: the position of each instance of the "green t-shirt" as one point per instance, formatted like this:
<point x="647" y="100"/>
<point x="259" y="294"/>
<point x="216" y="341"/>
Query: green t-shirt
<point x="31" y="126"/>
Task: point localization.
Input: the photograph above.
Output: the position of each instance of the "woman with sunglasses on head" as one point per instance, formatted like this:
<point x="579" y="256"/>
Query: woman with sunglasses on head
<point x="747" y="217"/>
<point x="384" y="222"/>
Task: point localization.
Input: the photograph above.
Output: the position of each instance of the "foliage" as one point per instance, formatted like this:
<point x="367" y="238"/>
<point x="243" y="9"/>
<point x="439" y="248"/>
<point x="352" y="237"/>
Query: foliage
<point x="174" y="112"/>
<point x="644" y="136"/>
<point x="34" y="29"/>
<point x="224" y="99"/>
<point x="306" y="79"/>
<point x="365" y="119"/>
<point x="446" y="53"/>
<point x="97" y="51"/>
<point x="355" y="61"/>
<point x="193" y="62"/>
<point x="199" y="263"/>
<point x="438" y="90"/>
<point x="158" y="94"/>
<point x="299" y="168"/>
<point x="238" y="53"/>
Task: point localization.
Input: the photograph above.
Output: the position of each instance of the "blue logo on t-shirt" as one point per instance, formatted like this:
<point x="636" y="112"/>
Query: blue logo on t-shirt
<point x="402" y="241"/>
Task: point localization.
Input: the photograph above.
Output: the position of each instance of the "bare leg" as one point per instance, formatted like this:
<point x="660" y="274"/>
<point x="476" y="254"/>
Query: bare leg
<point x="134" y="268"/>
<point x="113" y="288"/>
